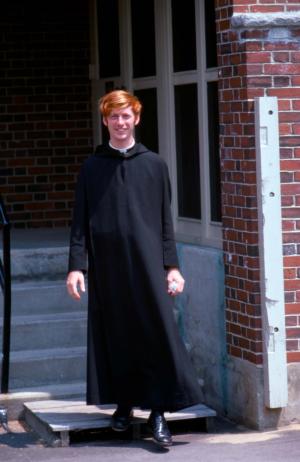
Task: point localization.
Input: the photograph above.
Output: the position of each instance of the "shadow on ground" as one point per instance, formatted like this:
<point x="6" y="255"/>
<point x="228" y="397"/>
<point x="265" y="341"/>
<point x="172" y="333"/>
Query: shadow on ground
<point x="21" y="436"/>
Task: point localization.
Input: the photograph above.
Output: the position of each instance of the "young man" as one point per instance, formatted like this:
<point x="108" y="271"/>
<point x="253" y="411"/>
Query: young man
<point x="122" y="221"/>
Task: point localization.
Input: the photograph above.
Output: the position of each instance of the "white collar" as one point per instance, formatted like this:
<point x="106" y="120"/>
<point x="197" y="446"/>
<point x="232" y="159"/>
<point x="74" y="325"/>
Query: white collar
<point x="122" y="150"/>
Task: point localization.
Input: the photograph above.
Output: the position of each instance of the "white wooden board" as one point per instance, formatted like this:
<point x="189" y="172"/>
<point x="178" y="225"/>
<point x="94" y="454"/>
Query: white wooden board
<point x="76" y="415"/>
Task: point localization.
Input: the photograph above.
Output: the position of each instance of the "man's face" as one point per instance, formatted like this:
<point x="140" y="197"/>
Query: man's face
<point x="120" y="124"/>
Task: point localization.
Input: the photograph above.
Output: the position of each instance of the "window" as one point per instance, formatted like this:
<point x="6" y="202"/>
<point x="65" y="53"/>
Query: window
<point x="184" y="35"/>
<point x="108" y="33"/>
<point x="143" y="38"/>
<point x="187" y="150"/>
<point x="210" y="35"/>
<point x="146" y="131"/>
<point x="214" y="164"/>
<point x="165" y="52"/>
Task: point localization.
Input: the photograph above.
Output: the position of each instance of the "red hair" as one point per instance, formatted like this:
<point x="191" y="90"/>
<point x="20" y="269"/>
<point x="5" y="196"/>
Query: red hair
<point x="119" y="99"/>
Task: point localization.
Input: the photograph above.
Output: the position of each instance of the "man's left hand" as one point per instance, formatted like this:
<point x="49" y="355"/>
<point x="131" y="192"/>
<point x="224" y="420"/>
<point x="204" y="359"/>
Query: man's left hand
<point x="175" y="282"/>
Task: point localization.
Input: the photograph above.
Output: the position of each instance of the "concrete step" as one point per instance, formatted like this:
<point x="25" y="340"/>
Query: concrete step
<point x="39" y="263"/>
<point x="13" y="402"/>
<point x="48" y="337"/>
<point x="47" y="367"/>
<point x="39" y="253"/>
<point x="42" y="297"/>
<point x="36" y="332"/>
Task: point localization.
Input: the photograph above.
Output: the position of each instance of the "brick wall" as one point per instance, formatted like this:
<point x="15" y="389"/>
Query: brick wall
<point x="255" y="63"/>
<point x="264" y="6"/>
<point x="45" y="116"/>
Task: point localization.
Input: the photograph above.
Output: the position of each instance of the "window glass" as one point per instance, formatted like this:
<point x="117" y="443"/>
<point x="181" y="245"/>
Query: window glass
<point x="143" y="38"/>
<point x="108" y="38"/>
<point x="214" y="161"/>
<point x="184" y="35"/>
<point x="146" y="131"/>
<point x="210" y="34"/>
<point x="187" y="151"/>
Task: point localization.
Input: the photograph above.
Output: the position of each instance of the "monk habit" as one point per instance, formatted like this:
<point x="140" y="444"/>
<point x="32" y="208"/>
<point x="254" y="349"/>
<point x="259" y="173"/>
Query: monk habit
<point x="122" y="221"/>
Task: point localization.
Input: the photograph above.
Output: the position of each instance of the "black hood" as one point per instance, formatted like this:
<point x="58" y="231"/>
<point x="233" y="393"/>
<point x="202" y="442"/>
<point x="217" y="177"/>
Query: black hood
<point x="106" y="151"/>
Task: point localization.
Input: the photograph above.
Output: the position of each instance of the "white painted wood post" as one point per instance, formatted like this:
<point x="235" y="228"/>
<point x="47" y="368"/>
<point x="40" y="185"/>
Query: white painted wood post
<point x="270" y="251"/>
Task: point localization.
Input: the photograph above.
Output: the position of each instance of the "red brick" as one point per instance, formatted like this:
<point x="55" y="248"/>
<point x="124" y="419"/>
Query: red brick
<point x="291" y="164"/>
<point x="293" y="356"/>
<point x="39" y="170"/>
<point x="15" y="198"/>
<point x="295" y="58"/>
<point x="253" y="93"/>
<point x="244" y="2"/>
<point x="254" y="34"/>
<point x="253" y="46"/>
<point x="251" y="69"/>
<point x="39" y="206"/>
<point x="263" y="57"/>
<point x="289" y="116"/>
<point x="285" y="129"/>
<point x="281" y="69"/>
<point x="237" y="352"/>
<point x="292" y="332"/>
<point x="296" y="129"/>
<point x="284" y="92"/>
<point x="292" y="284"/>
<point x="292" y="308"/>
<point x="20" y="162"/>
<point x="296" y="105"/>
<point x="291" y="345"/>
<point x="290" y="273"/>
<point x="295" y="80"/>
<point x="259" y="81"/>
<point x="266" y="9"/>
<point x="240" y="9"/>
<point x="284" y="105"/>
<point x="289" y="141"/>
<point x="291" y="261"/>
<point x="296" y="176"/>
<point x="281" y="56"/>
<point x="288" y="225"/>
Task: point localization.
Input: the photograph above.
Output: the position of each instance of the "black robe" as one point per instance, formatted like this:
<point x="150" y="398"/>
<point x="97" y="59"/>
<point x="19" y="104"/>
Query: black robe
<point x="122" y="220"/>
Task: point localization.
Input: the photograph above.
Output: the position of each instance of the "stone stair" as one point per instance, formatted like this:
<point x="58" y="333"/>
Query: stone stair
<point x="48" y="333"/>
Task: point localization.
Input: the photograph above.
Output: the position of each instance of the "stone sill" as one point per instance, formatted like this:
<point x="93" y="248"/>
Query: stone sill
<point x="269" y="20"/>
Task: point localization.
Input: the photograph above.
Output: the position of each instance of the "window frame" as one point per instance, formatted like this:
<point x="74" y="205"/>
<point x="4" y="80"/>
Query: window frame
<point x="204" y="231"/>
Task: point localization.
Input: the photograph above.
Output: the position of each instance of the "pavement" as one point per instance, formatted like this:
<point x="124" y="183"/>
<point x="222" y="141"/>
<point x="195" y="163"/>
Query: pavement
<point x="229" y="443"/>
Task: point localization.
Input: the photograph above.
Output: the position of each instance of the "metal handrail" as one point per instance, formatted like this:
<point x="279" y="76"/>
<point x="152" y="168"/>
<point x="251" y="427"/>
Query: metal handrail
<point x="5" y="283"/>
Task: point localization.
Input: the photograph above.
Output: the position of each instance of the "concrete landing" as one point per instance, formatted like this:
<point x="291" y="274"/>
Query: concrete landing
<point x="53" y="420"/>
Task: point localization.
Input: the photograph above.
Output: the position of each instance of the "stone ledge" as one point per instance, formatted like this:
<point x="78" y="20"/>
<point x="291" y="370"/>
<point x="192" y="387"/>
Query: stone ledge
<point x="270" y="20"/>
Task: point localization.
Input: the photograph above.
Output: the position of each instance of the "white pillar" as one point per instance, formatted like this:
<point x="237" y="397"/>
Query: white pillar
<point x="270" y="251"/>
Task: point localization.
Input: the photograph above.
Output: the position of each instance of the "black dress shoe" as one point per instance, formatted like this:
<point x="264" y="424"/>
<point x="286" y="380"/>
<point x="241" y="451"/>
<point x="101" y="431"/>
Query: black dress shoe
<point x="121" y="420"/>
<point x="159" y="428"/>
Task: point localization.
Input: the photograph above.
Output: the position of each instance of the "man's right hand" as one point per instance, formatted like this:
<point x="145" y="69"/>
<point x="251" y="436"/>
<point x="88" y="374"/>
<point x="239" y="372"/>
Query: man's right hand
<point x="75" y="279"/>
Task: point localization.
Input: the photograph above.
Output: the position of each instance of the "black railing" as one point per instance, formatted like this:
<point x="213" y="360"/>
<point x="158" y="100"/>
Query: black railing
<point x="5" y="282"/>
